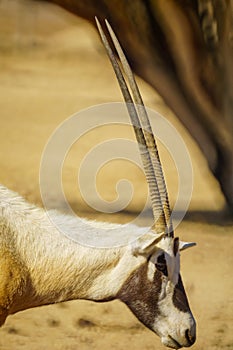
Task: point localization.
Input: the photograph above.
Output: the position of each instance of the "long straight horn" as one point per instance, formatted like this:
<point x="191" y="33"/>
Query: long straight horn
<point x="160" y="222"/>
<point x="147" y="130"/>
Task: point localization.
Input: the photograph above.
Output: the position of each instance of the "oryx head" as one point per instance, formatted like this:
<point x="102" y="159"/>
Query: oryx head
<point x="154" y="291"/>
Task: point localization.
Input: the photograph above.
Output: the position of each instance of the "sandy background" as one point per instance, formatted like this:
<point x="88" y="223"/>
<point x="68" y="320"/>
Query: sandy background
<point x="51" y="66"/>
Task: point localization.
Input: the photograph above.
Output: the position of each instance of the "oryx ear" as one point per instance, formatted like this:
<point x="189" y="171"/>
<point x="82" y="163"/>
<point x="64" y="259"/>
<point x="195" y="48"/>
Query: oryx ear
<point x="186" y="245"/>
<point x="146" y="244"/>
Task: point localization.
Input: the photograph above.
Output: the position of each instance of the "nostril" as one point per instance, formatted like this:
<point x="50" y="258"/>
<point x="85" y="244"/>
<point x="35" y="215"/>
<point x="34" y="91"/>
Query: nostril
<point x="190" y="337"/>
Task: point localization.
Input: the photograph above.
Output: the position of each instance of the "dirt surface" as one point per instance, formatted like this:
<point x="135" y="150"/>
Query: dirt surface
<point x="52" y="65"/>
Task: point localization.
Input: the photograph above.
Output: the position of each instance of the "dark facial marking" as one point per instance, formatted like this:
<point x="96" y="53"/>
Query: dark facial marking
<point x="176" y="245"/>
<point x="141" y="295"/>
<point x="180" y="300"/>
<point x="161" y="264"/>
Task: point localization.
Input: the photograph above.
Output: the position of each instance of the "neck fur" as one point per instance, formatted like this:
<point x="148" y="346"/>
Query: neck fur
<point x="53" y="267"/>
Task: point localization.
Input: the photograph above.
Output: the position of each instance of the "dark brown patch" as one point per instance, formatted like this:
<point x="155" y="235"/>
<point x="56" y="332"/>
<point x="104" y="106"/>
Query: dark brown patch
<point x="176" y="245"/>
<point x="12" y="330"/>
<point x="84" y="323"/>
<point x="53" y="323"/>
<point x="180" y="300"/>
<point x="141" y="295"/>
<point x="161" y="264"/>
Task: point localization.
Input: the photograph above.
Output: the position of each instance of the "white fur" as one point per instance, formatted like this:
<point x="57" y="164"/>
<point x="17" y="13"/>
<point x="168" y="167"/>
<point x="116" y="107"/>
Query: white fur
<point x="59" y="268"/>
<point x="171" y="323"/>
<point x="40" y="265"/>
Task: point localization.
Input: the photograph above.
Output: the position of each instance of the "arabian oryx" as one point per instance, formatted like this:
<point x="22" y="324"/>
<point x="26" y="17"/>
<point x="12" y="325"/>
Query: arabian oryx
<point x="40" y="265"/>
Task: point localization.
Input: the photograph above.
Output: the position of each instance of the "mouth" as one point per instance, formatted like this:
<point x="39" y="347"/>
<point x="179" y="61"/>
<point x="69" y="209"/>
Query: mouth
<point x="171" y="343"/>
<point x="176" y="344"/>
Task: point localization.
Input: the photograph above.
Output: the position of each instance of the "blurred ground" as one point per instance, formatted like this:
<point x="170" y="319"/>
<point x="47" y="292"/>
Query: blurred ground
<point x="52" y="65"/>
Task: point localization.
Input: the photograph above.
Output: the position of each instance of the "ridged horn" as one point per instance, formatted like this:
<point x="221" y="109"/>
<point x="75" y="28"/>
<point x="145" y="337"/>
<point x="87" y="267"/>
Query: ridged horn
<point x="144" y="135"/>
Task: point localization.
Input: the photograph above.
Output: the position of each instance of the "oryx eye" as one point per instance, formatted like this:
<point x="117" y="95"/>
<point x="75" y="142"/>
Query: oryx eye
<point x="161" y="264"/>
